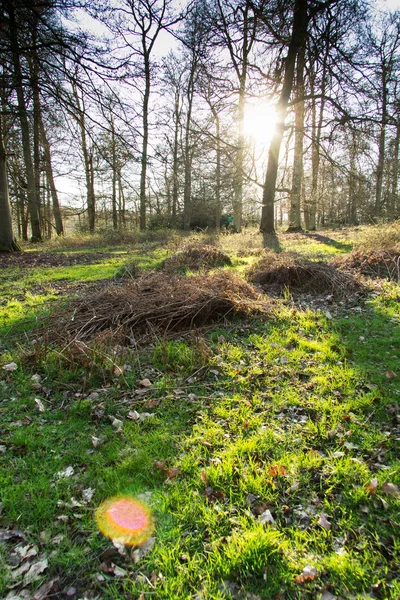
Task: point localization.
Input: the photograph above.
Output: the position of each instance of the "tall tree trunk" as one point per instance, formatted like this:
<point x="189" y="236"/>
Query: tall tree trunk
<point x="297" y="179"/>
<point x="299" y="32"/>
<point x="114" y="176"/>
<point x="310" y="206"/>
<point x="87" y="162"/>
<point x="381" y="147"/>
<point x="238" y="191"/>
<point x="33" y="203"/>
<point x="217" y="170"/>
<point x="7" y="240"/>
<point x="395" y="173"/>
<point x="145" y="121"/>
<point x="175" y="174"/>
<point x="187" y="188"/>
<point x="50" y="178"/>
<point x="353" y="182"/>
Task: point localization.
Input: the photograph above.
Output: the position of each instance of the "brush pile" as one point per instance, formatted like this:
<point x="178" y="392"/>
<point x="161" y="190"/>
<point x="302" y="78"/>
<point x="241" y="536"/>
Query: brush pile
<point x="160" y="304"/>
<point x="277" y="272"/>
<point x="195" y="257"/>
<point x="383" y="264"/>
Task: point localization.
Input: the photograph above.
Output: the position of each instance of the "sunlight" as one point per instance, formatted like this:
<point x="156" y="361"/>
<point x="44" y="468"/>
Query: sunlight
<point x="259" y="122"/>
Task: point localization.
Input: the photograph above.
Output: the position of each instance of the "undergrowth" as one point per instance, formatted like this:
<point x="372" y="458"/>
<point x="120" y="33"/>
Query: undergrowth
<point x="266" y="448"/>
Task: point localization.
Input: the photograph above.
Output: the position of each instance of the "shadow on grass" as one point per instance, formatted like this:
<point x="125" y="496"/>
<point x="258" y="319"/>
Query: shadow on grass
<point x="328" y="241"/>
<point x="271" y="241"/>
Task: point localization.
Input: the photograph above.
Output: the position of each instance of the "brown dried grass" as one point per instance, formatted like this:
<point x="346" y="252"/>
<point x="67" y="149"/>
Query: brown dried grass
<point x="195" y="257"/>
<point x="158" y="304"/>
<point x="275" y="272"/>
<point x="383" y="264"/>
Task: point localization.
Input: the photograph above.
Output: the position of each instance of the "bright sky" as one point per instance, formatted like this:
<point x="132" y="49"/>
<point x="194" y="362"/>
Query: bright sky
<point x="388" y="4"/>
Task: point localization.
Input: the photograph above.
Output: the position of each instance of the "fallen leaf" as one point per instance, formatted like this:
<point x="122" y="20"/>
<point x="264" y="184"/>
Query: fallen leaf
<point x="12" y="366"/>
<point x="309" y="573"/>
<point x="323" y="522"/>
<point x="145" y="383"/>
<point x="133" y="415"/>
<point x="391" y="489"/>
<point x="49" y="588"/>
<point x="172" y="473"/>
<point x="36" y="569"/>
<point x="372" y="486"/>
<point x="390" y="375"/>
<point x="118" y="371"/>
<point x="143" y="550"/>
<point x="266" y="518"/>
<point x="159" y="464"/>
<point x="40" y="405"/>
<point x="116" y="423"/>
<point x="204" y="477"/>
<point x="276" y="470"/>
<point x="87" y="494"/>
<point x="97" y="441"/>
<point x="68" y="472"/>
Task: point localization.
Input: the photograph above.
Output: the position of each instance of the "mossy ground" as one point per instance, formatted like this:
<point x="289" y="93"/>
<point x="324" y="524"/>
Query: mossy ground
<point x="295" y="414"/>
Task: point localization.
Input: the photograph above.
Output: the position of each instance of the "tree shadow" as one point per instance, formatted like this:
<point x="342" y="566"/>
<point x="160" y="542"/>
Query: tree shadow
<point x="271" y="241"/>
<point x="328" y="241"/>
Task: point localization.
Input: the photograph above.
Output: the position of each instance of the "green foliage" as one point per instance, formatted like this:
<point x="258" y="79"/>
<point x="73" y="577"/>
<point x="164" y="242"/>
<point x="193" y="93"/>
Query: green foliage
<point x="295" y="415"/>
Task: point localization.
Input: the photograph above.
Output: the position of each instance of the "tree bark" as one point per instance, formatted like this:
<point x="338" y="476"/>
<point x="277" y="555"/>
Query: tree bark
<point x="297" y="179"/>
<point x="33" y="203"/>
<point x="50" y="178"/>
<point x="7" y="240"/>
<point x="145" y="121"/>
<point x="299" y="31"/>
<point x="381" y="147"/>
<point x="88" y="163"/>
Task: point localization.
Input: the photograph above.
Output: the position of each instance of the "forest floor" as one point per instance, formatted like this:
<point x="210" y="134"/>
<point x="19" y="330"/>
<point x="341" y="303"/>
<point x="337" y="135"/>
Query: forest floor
<point x="266" y="445"/>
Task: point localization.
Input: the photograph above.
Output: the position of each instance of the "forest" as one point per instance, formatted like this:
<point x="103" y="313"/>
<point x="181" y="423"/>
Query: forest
<point x="199" y="300"/>
<point x="209" y="114"/>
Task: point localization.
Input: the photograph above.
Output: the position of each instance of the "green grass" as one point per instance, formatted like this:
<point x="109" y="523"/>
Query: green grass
<point x="294" y="414"/>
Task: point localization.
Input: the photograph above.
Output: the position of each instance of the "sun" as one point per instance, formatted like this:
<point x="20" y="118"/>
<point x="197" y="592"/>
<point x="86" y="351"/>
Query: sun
<point x="259" y="122"/>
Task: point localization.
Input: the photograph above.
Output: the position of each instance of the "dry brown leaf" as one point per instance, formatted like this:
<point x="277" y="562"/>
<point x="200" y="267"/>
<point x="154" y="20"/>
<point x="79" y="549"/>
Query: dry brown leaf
<point x="160" y="465"/>
<point x="323" y="522"/>
<point x="372" y="486"/>
<point x="146" y="383"/>
<point x="276" y="470"/>
<point x="204" y="477"/>
<point x="391" y="488"/>
<point x="390" y="375"/>
<point x="172" y="473"/>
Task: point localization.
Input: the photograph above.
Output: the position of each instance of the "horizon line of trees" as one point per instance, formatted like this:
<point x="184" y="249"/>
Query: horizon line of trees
<point x="152" y="139"/>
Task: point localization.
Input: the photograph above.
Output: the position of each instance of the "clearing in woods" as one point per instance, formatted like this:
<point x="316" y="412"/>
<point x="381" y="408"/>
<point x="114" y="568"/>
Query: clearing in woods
<point x="258" y="419"/>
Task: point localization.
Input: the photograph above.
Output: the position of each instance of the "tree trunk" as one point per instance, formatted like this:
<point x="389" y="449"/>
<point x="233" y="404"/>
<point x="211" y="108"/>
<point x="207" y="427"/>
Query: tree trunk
<point x="114" y="177"/>
<point x="297" y="178"/>
<point x="299" y="32"/>
<point x="50" y="178"/>
<point x="381" y="148"/>
<point x="33" y="203"/>
<point x="238" y="199"/>
<point x="217" y="172"/>
<point x="175" y="174"/>
<point x="395" y="173"/>
<point x="7" y="240"/>
<point x="88" y="163"/>
<point x="143" y="173"/>
<point x="187" y="189"/>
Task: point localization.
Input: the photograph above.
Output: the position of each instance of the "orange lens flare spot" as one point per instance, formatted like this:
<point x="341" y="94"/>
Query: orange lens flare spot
<point x="126" y="520"/>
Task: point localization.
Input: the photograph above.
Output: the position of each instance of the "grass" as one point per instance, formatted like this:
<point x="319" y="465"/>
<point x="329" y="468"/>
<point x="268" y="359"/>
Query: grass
<point x="295" y="415"/>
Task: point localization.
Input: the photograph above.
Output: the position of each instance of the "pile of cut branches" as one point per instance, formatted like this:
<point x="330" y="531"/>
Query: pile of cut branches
<point x="277" y="272"/>
<point x="196" y="256"/>
<point x="160" y="304"/>
<point x="372" y="263"/>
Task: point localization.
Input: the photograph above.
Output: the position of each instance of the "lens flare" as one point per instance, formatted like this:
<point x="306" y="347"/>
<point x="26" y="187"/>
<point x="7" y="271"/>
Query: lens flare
<point x="125" y="519"/>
